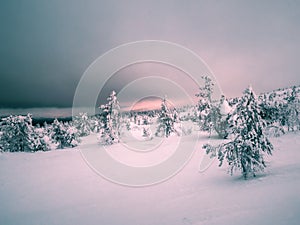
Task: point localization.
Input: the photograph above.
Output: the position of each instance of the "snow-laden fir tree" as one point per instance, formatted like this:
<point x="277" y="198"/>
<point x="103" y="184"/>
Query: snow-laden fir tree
<point x="269" y="109"/>
<point x="64" y="134"/>
<point x="95" y="124"/>
<point x="204" y="106"/>
<point x="165" y="120"/>
<point x="247" y="148"/>
<point x="110" y="120"/>
<point x="220" y="117"/>
<point x="271" y="113"/>
<point x="83" y="124"/>
<point x="40" y="139"/>
<point x="292" y="111"/>
<point x="18" y="135"/>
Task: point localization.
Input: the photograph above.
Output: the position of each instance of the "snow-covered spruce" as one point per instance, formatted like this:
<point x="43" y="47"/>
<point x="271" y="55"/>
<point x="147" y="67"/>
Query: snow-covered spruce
<point x="292" y="111"/>
<point x="19" y="135"/>
<point x="219" y="117"/>
<point x="64" y="135"/>
<point x="110" y="120"/>
<point x="281" y="109"/>
<point x="165" y="121"/>
<point x="83" y="124"/>
<point x="40" y="139"/>
<point x="95" y="125"/>
<point x="246" y="151"/>
<point x="204" y="106"/>
<point x="270" y="109"/>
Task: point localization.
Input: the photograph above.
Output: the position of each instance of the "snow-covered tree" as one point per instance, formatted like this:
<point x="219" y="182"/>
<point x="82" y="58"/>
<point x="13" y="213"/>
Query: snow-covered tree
<point x="1" y="144"/>
<point x="292" y="111"/>
<point x="220" y="117"/>
<point x="204" y="112"/>
<point x="175" y="116"/>
<point x="110" y="120"/>
<point x="147" y="133"/>
<point x="64" y="135"/>
<point x="247" y="148"/>
<point x="127" y="124"/>
<point x="269" y="109"/>
<point x="95" y="124"/>
<point x="19" y="135"/>
<point x="165" y="120"/>
<point x="40" y="139"/>
<point x="83" y="124"/>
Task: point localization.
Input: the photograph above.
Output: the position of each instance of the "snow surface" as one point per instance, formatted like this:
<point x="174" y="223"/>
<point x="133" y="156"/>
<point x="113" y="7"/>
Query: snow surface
<point x="58" y="187"/>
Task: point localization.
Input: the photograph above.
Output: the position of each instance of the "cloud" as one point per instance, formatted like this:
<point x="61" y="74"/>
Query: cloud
<point x="45" y="47"/>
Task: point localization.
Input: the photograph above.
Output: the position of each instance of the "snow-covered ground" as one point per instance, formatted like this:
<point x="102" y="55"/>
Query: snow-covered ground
<point x="58" y="187"/>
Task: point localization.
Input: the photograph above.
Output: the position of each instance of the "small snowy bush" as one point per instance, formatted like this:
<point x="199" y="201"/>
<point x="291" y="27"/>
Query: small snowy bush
<point x="147" y="134"/>
<point x="274" y="131"/>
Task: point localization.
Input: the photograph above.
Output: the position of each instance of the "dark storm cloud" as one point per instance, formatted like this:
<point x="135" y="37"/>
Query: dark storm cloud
<point x="45" y="46"/>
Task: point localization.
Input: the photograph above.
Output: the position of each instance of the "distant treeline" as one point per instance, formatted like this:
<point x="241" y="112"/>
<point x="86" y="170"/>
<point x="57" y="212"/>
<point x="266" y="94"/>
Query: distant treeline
<point x="42" y="120"/>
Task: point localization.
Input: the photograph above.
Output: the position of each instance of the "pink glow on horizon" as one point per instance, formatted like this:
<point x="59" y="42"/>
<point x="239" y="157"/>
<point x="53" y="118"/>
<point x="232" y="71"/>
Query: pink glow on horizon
<point x="145" y="104"/>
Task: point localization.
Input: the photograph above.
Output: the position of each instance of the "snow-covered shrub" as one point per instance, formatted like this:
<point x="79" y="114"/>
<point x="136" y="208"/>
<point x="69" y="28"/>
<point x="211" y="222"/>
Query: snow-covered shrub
<point x="95" y="124"/>
<point x="147" y="134"/>
<point x="282" y="108"/>
<point x="18" y="135"/>
<point x="293" y="111"/>
<point x="246" y="151"/>
<point x="1" y="147"/>
<point x="64" y="135"/>
<point x="83" y="124"/>
<point x="270" y="110"/>
<point x="186" y="130"/>
<point x="40" y="139"/>
<point x="274" y="131"/>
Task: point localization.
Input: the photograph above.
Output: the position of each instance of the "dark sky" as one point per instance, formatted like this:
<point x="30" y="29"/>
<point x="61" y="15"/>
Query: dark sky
<point x="45" y="46"/>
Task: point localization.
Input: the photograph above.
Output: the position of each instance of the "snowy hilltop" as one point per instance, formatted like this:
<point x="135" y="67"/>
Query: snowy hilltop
<point x="253" y="136"/>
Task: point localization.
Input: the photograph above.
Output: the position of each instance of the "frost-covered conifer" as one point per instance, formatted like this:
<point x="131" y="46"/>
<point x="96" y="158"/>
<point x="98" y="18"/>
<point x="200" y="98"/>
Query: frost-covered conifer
<point x="18" y="134"/>
<point x="40" y="139"/>
<point x="220" y="117"/>
<point x="83" y="124"/>
<point x="110" y="120"/>
<point x="247" y="148"/>
<point x="204" y="112"/>
<point x="95" y="124"/>
<point x="292" y="112"/>
<point x="165" y="121"/>
<point x="64" y="135"/>
<point x="270" y="109"/>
